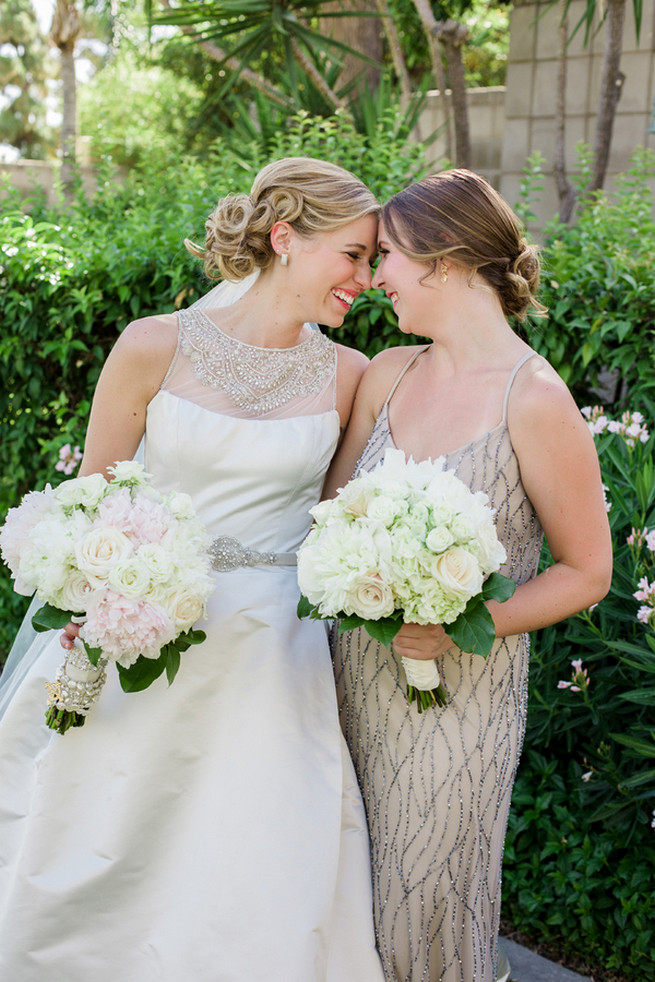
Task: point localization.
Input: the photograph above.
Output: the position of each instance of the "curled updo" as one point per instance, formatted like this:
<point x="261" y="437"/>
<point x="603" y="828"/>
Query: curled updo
<point x="311" y="195"/>
<point x="457" y="213"/>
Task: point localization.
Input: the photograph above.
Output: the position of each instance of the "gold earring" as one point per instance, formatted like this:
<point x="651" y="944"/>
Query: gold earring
<point x="443" y="269"/>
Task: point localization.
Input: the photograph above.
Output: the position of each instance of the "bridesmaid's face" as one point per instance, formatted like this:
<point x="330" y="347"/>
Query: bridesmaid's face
<point x="410" y="285"/>
<point x="330" y="269"/>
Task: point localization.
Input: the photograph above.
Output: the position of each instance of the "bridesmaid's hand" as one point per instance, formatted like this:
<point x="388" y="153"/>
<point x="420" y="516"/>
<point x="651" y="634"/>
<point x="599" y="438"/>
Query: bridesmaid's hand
<point x="67" y="639"/>
<point x="421" y="641"/>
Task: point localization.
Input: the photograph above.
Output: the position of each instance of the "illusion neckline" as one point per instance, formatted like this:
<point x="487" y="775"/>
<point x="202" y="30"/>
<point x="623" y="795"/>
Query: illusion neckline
<point x="257" y="347"/>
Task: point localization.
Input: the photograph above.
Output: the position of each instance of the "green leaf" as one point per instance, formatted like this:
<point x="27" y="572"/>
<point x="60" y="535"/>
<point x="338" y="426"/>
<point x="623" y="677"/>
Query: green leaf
<point x="142" y="673"/>
<point x="49" y="618"/>
<point x="172" y="662"/>
<point x="93" y="654"/>
<point x="385" y="629"/>
<point x="473" y="631"/>
<point x="498" y="587"/>
<point x="304" y="608"/>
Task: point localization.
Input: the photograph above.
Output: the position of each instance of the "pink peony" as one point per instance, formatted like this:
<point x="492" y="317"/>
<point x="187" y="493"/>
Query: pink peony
<point x="125" y="628"/>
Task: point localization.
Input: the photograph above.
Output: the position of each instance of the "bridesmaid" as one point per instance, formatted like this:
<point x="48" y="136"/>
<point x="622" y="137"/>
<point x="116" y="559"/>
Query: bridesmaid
<point x="437" y="786"/>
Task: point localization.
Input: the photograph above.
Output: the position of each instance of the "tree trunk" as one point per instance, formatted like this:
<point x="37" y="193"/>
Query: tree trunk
<point x="611" y="84"/>
<point x="564" y="188"/>
<point x="395" y="48"/>
<point x="428" y="20"/>
<point x="361" y="33"/>
<point x="64" y="32"/>
<point x="311" y="70"/>
<point x="452" y="36"/>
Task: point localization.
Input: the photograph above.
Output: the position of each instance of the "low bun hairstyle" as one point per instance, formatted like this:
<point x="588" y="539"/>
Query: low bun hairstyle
<point x="311" y="195"/>
<point x="457" y="213"/>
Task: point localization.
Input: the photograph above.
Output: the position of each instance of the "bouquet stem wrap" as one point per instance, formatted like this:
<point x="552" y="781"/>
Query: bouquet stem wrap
<point x="423" y="683"/>
<point x="76" y="689"/>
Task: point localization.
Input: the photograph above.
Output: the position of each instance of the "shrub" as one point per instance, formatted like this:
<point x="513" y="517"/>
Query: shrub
<point x="598" y="285"/>
<point x="583" y="890"/>
<point x="580" y="838"/>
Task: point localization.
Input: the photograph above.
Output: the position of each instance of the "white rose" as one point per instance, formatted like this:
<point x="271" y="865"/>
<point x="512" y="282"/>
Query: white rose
<point x="181" y="505"/>
<point x="129" y="578"/>
<point x="490" y="552"/>
<point x="439" y="539"/>
<point x="99" y="551"/>
<point x="184" y="608"/>
<point x="384" y="510"/>
<point x="84" y="492"/>
<point x="458" y="572"/>
<point x="129" y="472"/>
<point x="157" y="560"/>
<point x="75" y="592"/>
<point x="370" y="597"/>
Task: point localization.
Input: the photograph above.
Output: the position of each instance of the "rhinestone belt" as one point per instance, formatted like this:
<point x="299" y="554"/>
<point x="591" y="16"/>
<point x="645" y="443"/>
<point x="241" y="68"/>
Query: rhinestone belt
<point x="228" y="553"/>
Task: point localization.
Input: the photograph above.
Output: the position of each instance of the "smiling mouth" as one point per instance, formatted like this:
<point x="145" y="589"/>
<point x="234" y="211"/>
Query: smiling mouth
<point x="393" y="297"/>
<point x="345" y="298"/>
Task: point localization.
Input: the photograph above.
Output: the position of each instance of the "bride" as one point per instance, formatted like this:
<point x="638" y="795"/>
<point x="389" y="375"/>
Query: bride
<point x="213" y="830"/>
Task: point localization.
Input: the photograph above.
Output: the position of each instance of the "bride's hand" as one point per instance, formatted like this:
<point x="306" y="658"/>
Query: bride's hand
<point x="421" y="641"/>
<point x="67" y="639"/>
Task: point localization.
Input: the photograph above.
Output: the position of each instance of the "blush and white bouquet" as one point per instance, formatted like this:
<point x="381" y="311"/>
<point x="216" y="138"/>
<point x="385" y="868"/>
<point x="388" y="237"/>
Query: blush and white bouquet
<point x="127" y="563"/>
<point x="406" y="542"/>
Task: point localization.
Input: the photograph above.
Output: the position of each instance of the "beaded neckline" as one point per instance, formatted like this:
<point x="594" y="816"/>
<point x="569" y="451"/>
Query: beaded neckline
<point x="258" y="380"/>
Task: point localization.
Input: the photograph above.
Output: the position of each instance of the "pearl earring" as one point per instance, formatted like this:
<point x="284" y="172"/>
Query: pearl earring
<point x="284" y="259"/>
<point x="443" y="269"/>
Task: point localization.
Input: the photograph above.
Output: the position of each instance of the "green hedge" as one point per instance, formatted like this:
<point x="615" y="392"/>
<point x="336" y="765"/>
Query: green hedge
<point x="581" y="847"/>
<point x="598" y="284"/>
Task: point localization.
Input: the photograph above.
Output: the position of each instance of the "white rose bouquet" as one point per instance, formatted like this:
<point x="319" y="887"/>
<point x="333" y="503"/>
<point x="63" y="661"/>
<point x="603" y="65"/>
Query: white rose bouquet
<point x="406" y="542"/>
<point x="127" y="563"/>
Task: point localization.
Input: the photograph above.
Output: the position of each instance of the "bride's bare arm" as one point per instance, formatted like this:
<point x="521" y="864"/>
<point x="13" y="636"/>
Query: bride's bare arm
<point x="129" y="379"/>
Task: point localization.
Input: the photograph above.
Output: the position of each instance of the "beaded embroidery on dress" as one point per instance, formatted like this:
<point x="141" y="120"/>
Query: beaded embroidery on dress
<point x="437" y="786"/>
<point x="258" y="381"/>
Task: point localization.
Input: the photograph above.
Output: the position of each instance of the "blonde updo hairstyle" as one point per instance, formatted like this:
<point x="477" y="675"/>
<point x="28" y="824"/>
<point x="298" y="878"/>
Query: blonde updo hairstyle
<point x="313" y="196"/>
<point x="457" y="213"/>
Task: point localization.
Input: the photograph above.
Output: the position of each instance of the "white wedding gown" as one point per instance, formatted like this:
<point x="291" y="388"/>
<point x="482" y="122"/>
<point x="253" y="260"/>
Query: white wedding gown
<point x="210" y="831"/>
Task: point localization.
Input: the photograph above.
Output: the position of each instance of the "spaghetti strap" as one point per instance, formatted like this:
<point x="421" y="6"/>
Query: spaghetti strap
<point x="402" y="373"/>
<point x="519" y="364"/>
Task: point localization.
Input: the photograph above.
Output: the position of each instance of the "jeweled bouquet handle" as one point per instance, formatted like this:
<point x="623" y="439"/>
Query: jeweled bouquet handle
<point x="129" y="564"/>
<point x="406" y="542"/>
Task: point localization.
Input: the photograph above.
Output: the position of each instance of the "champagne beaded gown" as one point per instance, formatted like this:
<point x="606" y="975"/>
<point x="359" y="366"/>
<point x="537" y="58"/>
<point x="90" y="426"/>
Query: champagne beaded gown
<point x="211" y="831"/>
<point x="437" y="785"/>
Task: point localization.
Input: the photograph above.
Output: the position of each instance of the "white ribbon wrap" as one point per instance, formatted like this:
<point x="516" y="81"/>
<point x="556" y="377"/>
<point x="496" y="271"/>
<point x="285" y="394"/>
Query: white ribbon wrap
<point x="422" y="675"/>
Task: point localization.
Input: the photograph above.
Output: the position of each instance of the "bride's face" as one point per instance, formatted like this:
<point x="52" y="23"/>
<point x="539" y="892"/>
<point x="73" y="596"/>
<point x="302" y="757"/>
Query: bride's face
<point x="330" y="269"/>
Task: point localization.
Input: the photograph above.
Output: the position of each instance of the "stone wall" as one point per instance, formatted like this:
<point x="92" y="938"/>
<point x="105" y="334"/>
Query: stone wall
<point x="529" y="115"/>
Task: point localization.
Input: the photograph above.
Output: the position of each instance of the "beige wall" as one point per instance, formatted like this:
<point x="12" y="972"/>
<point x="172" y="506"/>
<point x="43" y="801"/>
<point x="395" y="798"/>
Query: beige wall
<point x="529" y="117"/>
